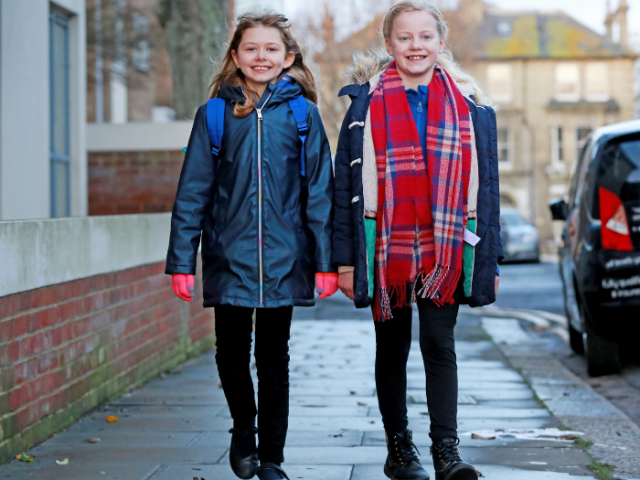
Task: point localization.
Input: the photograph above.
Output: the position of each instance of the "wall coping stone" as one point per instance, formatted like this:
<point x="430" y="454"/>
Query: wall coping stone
<point x="38" y="253"/>
<point x="138" y="136"/>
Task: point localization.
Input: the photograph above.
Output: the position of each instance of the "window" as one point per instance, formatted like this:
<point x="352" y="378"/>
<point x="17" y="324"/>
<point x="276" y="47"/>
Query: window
<point x="504" y="150"/>
<point x="582" y="135"/>
<point x="596" y="85"/>
<point x="499" y="82"/>
<point x="557" y="146"/>
<point x="567" y="82"/>
<point x="59" y="114"/>
<point x="141" y="50"/>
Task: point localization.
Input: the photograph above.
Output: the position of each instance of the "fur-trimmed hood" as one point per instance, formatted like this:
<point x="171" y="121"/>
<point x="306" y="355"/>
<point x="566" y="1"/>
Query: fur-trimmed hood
<point x="367" y="67"/>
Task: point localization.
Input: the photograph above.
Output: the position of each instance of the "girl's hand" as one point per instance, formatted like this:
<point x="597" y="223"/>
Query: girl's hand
<point x="326" y="284"/>
<point x="497" y="283"/>
<point x="345" y="283"/>
<point x="182" y="286"/>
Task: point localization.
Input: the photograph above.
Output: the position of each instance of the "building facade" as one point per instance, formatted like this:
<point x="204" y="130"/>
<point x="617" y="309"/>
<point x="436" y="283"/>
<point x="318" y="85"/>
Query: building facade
<point x="43" y="161"/>
<point x="553" y="81"/>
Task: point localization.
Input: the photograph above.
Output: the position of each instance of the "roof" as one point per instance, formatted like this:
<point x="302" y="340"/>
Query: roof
<point x="508" y="34"/>
<point x="617" y="130"/>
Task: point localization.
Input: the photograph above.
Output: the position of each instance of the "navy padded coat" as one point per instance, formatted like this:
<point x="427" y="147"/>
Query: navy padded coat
<point x="263" y="236"/>
<point x="349" y="243"/>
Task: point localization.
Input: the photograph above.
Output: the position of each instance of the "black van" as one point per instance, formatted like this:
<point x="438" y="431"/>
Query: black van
<point x="600" y="247"/>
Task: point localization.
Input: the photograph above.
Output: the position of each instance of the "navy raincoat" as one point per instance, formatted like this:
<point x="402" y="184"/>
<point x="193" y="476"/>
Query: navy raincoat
<point x="264" y="229"/>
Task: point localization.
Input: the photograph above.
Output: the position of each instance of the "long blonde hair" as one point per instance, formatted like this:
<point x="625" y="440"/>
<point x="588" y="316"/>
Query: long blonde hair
<point x="230" y="75"/>
<point x="445" y="58"/>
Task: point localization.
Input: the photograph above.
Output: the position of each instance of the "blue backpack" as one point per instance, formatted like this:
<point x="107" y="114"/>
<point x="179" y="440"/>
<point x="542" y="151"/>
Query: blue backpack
<point x="215" y="120"/>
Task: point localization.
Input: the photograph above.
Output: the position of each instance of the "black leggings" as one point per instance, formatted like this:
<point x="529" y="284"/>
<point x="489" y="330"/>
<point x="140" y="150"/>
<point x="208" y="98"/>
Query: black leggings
<point x="393" y="342"/>
<point x="233" y="356"/>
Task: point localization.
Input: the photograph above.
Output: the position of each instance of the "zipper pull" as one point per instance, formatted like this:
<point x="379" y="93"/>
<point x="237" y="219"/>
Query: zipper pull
<point x="259" y="110"/>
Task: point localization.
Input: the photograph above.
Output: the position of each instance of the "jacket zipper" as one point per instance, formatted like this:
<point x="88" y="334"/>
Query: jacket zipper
<point x="259" y="112"/>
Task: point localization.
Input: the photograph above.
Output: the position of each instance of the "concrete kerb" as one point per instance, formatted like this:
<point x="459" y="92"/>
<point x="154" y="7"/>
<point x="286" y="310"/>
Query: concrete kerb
<point x="571" y="400"/>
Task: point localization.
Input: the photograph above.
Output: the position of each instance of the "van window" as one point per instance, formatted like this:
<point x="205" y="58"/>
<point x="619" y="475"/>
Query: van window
<point x="577" y="182"/>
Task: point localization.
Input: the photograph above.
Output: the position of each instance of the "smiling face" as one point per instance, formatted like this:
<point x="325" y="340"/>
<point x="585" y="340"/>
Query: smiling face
<point x="262" y="56"/>
<point x="414" y="43"/>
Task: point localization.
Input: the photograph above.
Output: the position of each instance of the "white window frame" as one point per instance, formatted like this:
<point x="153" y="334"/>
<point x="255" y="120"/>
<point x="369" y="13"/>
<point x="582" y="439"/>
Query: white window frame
<point x="589" y="73"/>
<point x="558" y="156"/>
<point x="504" y="70"/>
<point x="567" y="68"/>
<point x="508" y="143"/>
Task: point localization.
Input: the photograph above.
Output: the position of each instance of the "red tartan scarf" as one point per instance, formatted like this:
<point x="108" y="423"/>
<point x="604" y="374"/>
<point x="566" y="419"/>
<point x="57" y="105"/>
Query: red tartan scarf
<point x="422" y="211"/>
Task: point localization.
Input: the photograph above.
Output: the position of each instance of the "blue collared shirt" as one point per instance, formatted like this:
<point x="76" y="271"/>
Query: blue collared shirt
<point x="418" y="101"/>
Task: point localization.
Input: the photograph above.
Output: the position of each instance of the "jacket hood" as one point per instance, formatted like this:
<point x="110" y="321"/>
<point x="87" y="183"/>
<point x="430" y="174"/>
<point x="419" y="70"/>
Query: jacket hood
<point x="279" y="93"/>
<point x="368" y="67"/>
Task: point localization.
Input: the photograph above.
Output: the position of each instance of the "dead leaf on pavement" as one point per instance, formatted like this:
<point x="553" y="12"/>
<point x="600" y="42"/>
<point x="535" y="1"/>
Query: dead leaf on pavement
<point x="481" y="437"/>
<point x="23" y="457"/>
<point x="362" y="404"/>
<point x="479" y="474"/>
<point x="93" y="440"/>
<point x="112" y="419"/>
<point x="63" y="462"/>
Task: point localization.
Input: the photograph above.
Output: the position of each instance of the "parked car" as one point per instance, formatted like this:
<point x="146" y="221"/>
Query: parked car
<point x="519" y="237"/>
<point x="600" y="247"/>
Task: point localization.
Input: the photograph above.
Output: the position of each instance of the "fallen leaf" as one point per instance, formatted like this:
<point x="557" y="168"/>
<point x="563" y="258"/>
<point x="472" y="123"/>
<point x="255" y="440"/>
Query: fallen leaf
<point x="424" y="413"/>
<point x="362" y="404"/>
<point x="481" y="437"/>
<point x="112" y="419"/>
<point x="23" y="457"/>
<point x="567" y="437"/>
<point x="63" y="462"/>
<point x="479" y="474"/>
<point x="93" y="440"/>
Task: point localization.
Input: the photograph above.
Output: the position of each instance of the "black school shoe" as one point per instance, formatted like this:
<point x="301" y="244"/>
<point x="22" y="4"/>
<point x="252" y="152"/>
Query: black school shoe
<point x="271" y="471"/>
<point x="243" y="454"/>
<point x="447" y="462"/>
<point x="402" y="462"/>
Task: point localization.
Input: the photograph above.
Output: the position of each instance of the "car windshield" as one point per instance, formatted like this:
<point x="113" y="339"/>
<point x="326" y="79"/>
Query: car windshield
<point x="512" y="219"/>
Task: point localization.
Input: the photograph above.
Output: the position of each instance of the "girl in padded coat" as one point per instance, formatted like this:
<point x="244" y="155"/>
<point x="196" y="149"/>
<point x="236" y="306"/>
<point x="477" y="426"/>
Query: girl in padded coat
<point x="266" y="225"/>
<point x="417" y="220"/>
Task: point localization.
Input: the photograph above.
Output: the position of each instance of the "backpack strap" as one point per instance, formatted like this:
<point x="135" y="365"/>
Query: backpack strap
<point x="299" y="108"/>
<point x="215" y="123"/>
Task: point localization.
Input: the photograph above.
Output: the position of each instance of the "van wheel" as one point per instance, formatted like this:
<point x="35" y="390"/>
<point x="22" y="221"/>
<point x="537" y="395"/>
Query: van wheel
<point x="575" y="339"/>
<point x="603" y="355"/>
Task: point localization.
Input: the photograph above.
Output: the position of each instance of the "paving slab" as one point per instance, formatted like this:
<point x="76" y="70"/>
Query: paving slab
<point x="176" y="427"/>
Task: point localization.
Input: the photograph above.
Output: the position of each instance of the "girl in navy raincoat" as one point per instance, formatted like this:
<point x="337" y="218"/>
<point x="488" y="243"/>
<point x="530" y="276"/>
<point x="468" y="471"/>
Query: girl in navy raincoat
<point x="262" y="212"/>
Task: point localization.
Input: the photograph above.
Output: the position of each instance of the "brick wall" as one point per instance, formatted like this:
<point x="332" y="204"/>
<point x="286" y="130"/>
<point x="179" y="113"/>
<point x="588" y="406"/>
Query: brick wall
<point x="67" y="348"/>
<point x="133" y="182"/>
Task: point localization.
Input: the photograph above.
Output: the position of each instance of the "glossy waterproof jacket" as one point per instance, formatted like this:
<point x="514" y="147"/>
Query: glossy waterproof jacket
<point x="266" y="230"/>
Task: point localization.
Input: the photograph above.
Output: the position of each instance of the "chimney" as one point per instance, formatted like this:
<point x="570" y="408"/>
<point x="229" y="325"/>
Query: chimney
<point x="608" y="21"/>
<point x="621" y="17"/>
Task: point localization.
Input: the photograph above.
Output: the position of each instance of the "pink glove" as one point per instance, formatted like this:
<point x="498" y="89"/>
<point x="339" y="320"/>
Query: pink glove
<point x="182" y="286"/>
<point x="326" y="284"/>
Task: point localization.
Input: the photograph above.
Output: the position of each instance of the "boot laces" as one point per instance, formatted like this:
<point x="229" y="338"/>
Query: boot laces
<point x="448" y="452"/>
<point x="404" y="449"/>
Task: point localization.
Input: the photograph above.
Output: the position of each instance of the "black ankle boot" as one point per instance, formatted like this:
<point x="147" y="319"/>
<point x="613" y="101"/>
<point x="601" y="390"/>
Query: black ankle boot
<point x="271" y="471"/>
<point x="447" y="462"/>
<point x="243" y="454"/>
<point x="402" y="462"/>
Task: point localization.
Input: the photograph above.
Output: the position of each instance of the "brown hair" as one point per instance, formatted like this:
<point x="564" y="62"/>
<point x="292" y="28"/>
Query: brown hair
<point x="445" y="58"/>
<point x="232" y="76"/>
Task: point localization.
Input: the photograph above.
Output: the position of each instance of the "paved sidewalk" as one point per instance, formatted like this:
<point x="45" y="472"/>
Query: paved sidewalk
<point x="175" y="428"/>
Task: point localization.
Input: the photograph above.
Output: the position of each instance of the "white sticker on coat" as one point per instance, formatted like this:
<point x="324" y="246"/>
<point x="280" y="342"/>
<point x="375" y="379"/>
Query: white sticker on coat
<point x="470" y="237"/>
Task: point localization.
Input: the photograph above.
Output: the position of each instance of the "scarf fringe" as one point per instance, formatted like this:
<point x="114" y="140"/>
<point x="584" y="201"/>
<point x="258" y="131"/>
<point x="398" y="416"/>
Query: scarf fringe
<point x="440" y="284"/>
